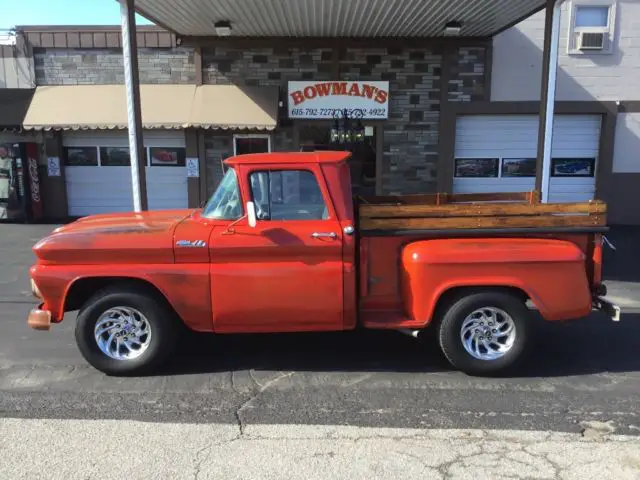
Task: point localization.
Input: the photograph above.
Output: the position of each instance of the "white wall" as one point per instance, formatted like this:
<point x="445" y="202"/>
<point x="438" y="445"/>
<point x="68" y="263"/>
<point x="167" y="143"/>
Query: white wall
<point x="517" y="61"/>
<point x="626" y="153"/>
<point x="17" y="72"/>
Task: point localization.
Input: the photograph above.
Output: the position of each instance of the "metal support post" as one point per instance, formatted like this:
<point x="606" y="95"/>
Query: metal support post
<point x="548" y="97"/>
<point x="134" y="112"/>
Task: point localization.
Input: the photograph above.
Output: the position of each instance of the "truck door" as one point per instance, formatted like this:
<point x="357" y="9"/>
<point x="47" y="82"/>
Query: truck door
<point x="286" y="273"/>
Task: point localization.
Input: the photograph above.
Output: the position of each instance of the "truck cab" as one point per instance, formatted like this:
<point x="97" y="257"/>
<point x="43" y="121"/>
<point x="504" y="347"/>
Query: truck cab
<point x="283" y="246"/>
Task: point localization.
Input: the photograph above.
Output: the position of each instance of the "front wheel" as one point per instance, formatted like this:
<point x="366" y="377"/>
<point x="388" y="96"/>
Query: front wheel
<point x="125" y="331"/>
<point x="485" y="333"/>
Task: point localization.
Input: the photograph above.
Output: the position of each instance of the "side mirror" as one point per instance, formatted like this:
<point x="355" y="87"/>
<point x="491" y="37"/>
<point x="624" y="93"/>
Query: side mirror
<point x="251" y="214"/>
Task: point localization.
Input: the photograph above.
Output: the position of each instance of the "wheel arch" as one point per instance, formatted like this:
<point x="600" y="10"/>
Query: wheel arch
<point x="449" y="295"/>
<point x="83" y="288"/>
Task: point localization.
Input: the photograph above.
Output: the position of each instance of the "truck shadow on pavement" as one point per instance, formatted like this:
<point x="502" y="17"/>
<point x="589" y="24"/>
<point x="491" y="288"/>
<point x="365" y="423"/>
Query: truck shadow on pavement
<point x="587" y="346"/>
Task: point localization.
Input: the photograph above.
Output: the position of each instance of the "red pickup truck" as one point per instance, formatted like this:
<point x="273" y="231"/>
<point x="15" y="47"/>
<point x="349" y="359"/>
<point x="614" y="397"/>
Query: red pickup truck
<point x="283" y="246"/>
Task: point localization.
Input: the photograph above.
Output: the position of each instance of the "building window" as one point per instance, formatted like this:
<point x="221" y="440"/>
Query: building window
<point x="287" y="195"/>
<point x="115" y="157"/>
<point x="518" y="167"/>
<point x="168" y="157"/>
<point x="476" y="168"/>
<point x="573" y="167"/>
<point x="80" y="156"/>
<point x="592" y="17"/>
<point x="243" y="144"/>
<point x="591" y="29"/>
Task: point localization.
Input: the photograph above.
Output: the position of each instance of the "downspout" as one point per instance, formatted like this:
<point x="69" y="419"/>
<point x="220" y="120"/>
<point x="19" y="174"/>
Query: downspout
<point x="550" y="101"/>
<point x="134" y="111"/>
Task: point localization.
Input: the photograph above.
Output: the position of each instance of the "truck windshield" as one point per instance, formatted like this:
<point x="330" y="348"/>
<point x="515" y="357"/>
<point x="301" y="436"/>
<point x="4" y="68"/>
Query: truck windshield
<point x="225" y="203"/>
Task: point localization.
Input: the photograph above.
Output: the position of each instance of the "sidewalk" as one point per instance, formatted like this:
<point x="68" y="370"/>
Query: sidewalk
<point x="81" y="449"/>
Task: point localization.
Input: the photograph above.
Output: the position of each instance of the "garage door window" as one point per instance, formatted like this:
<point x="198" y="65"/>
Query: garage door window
<point x="495" y="167"/>
<point x="476" y="167"/>
<point x="168" y="157"/>
<point x="573" y="167"/>
<point x="114" y="157"/>
<point x="81" y="157"/>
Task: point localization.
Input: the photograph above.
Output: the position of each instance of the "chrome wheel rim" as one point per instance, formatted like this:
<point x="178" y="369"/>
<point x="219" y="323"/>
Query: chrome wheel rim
<point x="122" y="333"/>
<point x="488" y="333"/>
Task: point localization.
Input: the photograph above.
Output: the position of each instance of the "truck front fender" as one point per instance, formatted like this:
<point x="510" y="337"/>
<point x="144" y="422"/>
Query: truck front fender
<point x="186" y="287"/>
<point x="550" y="272"/>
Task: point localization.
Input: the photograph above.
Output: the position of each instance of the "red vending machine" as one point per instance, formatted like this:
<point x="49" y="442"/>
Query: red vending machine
<point x="20" y="192"/>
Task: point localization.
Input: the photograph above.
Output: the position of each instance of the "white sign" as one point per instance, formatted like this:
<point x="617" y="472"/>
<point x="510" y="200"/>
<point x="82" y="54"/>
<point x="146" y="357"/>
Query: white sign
<point x="310" y="99"/>
<point x="193" y="167"/>
<point x="53" y="166"/>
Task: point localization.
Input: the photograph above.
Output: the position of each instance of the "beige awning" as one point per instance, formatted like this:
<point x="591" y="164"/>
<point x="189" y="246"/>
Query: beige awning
<point x="92" y="107"/>
<point x="234" y="107"/>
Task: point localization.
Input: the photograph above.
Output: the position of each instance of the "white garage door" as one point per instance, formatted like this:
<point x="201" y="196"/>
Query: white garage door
<point x="98" y="175"/>
<point x="497" y="153"/>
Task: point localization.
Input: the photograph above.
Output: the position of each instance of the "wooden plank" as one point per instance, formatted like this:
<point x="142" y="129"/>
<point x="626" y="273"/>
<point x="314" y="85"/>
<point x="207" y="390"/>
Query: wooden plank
<point x="445" y="198"/>
<point x="480" y="210"/>
<point x="482" y="222"/>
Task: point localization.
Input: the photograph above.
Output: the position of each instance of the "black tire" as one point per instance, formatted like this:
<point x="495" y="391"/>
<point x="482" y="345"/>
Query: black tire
<point x="464" y="305"/>
<point x="162" y="320"/>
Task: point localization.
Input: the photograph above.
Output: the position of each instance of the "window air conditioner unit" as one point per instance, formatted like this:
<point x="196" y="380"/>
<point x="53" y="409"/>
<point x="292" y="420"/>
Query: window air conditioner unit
<point x="591" y="41"/>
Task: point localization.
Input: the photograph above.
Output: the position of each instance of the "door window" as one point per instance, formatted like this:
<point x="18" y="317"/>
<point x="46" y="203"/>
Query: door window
<point x="287" y="195"/>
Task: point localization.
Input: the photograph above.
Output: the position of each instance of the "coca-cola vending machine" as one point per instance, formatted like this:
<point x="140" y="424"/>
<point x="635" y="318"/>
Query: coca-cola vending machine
<point x="20" y="198"/>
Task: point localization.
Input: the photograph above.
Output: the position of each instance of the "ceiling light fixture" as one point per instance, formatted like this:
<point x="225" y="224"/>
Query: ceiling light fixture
<point x="223" y="28"/>
<point x="452" y="29"/>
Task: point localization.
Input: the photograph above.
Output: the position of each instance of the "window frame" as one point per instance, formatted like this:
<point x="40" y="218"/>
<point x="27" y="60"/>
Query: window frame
<point x="251" y="135"/>
<point x="313" y="169"/>
<point x="574" y="31"/>
<point x="178" y="165"/>
<point x="66" y="156"/>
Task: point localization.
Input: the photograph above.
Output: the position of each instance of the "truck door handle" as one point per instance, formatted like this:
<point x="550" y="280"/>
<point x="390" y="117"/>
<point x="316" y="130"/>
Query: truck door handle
<point x="324" y="235"/>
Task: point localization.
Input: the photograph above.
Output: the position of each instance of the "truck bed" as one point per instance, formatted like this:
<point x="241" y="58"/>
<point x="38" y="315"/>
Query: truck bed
<point x="476" y="214"/>
<point x="388" y="223"/>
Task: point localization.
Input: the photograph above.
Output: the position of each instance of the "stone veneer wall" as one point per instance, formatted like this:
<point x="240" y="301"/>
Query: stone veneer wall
<point x="272" y="67"/>
<point x="57" y="66"/>
<point x="467" y="76"/>
<point x="410" y="144"/>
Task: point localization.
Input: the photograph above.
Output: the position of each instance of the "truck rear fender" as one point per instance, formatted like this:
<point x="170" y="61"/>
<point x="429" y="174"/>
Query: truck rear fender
<point x="549" y="272"/>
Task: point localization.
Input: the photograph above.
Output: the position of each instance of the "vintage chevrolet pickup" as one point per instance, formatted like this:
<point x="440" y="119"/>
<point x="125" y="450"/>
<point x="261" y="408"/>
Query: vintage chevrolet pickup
<point x="283" y="246"/>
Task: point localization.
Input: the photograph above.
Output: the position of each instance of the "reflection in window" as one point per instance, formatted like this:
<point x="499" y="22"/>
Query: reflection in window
<point x="287" y="195"/>
<point x="80" y="156"/>
<point x="115" y="157"/>
<point x="573" y="167"/>
<point x="168" y="157"/>
<point x="476" y="167"/>
<point x="518" y="167"/>
<point x="587" y="16"/>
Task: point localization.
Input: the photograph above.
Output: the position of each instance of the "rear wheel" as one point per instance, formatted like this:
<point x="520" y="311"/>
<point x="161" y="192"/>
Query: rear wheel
<point x="485" y="333"/>
<point x="123" y="331"/>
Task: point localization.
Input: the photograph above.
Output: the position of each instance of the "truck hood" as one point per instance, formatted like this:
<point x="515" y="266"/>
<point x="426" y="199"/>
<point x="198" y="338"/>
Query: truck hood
<point x="145" y="237"/>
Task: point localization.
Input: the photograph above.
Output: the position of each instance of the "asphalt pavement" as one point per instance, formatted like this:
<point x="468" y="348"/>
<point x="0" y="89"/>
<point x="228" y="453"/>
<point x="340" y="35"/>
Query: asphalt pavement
<point x="581" y="371"/>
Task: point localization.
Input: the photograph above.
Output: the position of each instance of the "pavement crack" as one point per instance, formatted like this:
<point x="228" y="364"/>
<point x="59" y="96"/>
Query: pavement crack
<point x="199" y="458"/>
<point x="238" y="412"/>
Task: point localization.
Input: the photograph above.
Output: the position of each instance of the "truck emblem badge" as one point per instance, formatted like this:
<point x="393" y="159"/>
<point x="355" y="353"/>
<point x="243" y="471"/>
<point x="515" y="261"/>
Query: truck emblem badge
<point x="191" y="243"/>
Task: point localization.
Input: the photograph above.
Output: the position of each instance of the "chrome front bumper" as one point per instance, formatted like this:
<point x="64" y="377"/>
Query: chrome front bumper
<point x="613" y="311"/>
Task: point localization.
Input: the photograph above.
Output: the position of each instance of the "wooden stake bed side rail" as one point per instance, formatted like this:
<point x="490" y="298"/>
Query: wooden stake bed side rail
<point x="500" y="214"/>
<point x="446" y="198"/>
